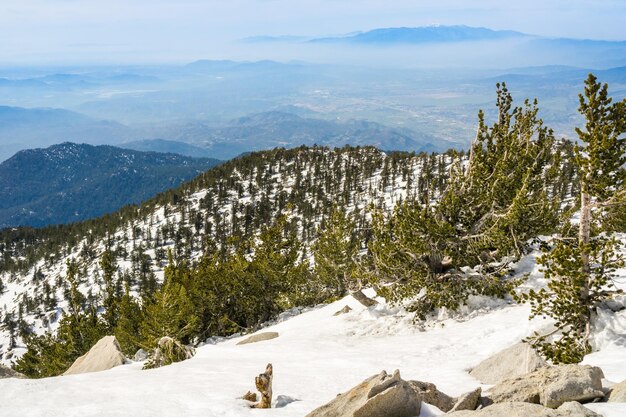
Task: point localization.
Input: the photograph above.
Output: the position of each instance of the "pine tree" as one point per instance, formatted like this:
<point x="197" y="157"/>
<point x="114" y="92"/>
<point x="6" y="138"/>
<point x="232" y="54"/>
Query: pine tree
<point x="487" y="214"/>
<point x="170" y="313"/>
<point x="335" y="253"/>
<point x="110" y="294"/>
<point x="580" y="268"/>
<point x="129" y="321"/>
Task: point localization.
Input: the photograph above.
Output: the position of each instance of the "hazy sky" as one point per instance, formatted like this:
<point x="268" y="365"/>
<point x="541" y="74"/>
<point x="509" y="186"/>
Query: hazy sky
<point x="127" y="31"/>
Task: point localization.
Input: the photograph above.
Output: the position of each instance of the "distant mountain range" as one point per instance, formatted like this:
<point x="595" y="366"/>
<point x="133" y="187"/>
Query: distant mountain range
<point x="22" y="128"/>
<point x="71" y="182"/>
<point x="167" y="146"/>
<point x="424" y="34"/>
<point x="427" y="34"/>
<point x="273" y="129"/>
<point x="433" y="34"/>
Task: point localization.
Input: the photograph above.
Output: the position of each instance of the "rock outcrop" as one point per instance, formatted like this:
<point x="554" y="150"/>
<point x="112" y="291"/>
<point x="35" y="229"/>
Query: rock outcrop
<point x="344" y="310"/>
<point x="429" y="393"/>
<point x="468" y="401"/>
<point x="618" y="393"/>
<point x="521" y="409"/>
<point x="517" y="360"/>
<point x="105" y="354"/>
<point x="259" y="337"/>
<point x="378" y="396"/>
<point x="6" y="372"/>
<point x="551" y="386"/>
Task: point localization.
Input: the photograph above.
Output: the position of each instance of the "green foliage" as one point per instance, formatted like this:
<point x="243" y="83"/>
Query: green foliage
<point x="572" y="295"/>
<point x="170" y="313"/>
<point x="127" y="326"/>
<point x="506" y="196"/>
<point x="79" y="329"/>
<point x="580" y="269"/>
<point x="335" y="253"/>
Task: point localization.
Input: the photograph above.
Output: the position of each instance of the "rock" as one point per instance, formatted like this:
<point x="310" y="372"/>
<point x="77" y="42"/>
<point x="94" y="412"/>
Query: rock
<point x="284" y="401"/>
<point x="378" y="396"/>
<point x="168" y="351"/>
<point x="6" y="372"/>
<point x="344" y="310"/>
<point x="259" y="337"/>
<point x="520" y="409"/>
<point x="551" y="386"/>
<point x="574" y="409"/>
<point x="430" y="394"/>
<point x="618" y="393"/>
<point x="140" y="356"/>
<point x="105" y="354"/>
<point x="517" y="360"/>
<point x="468" y="401"/>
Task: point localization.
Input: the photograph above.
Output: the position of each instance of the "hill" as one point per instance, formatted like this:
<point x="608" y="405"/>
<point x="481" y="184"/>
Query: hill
<point x="267" y="130"/>
<point x="71" y="182"/>
<point x="22" y="128"/>
<point x="167" y="146"/>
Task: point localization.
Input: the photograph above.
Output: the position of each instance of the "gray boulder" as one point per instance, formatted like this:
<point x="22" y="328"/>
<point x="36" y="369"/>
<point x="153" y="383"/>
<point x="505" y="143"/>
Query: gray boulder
<point x="517" y="360"/>
<point x="259" y="337"/>
<point x="618" y="393"/>
<point x="378" y="396"/>
<point x="429" y="393"/>
<point x="105" y="354"/>
<point x="141" y="355"/>
<point x="468" y="401"/>
<point x="520" y="409"/>
<point x="551" y="386"/>
<point x="6" y="372"/>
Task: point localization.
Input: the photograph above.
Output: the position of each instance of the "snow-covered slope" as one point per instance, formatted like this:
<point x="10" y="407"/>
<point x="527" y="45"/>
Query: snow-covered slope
<point x="238" y="197"/>
<point x="316" y="356"/>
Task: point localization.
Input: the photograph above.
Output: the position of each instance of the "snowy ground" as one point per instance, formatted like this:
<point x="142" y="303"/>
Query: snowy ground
<point x="316" y="356"/>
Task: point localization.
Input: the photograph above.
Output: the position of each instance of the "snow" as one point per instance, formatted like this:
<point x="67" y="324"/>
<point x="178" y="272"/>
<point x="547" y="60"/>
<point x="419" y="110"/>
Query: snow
<point x="316" y="356"/>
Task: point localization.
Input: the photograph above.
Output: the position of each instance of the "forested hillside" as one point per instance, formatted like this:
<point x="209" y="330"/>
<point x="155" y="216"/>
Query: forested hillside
<point x="70" y="182"/>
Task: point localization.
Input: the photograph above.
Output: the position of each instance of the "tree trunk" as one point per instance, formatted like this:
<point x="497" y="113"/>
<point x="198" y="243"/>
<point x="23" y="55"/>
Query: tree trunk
<point x="363" y="299"/>
<point x="584" y="232"/>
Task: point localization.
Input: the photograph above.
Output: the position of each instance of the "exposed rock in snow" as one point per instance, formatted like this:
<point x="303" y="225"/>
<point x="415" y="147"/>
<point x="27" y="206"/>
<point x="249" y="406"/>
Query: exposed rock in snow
<point x="259" y="337"/>
<point x="468" y="401"/>
<point x="522" y="409"/>
<point x="517" y="360"/>
<point x="140" y="355"/>
<point x="618" y="393"/>
<point x="105" y="354"/>
<point x="377" y="396"/>
<point x="344" y="310"/>
<point x="551" y="386"/>
<point x="6" y="372"/>
<point x="429" y="393"/>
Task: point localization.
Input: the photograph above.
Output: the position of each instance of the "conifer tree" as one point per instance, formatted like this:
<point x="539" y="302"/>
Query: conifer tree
<point x="483" y="221"/>
<point x="580" y="268"/>
<point x="170" y="313"/>
<point x="110" y="293"/>
<point x="129" y="320"/>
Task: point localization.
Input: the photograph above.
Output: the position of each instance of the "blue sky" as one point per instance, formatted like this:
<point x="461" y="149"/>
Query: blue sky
<point x="120" y="31"/>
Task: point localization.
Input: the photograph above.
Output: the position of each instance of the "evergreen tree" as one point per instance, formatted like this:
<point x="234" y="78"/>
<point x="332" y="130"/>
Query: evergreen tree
<point x="483" y="221"/>
<point x="111" y="293"/>
<point x="170" y="312"/>
<point x="580" y="269"/>
<point x="128" y="323"/>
